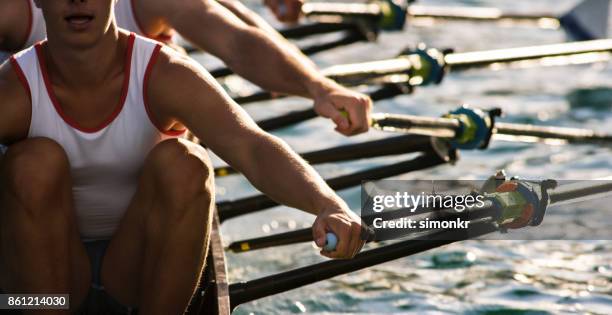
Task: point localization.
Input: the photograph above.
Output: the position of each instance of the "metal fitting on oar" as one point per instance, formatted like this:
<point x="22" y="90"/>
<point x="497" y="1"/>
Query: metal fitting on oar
<point x="475" y="127"/>
<point x="521" y="202"/>
<point x="393" y="14"/>
<point x="427" y="64"/>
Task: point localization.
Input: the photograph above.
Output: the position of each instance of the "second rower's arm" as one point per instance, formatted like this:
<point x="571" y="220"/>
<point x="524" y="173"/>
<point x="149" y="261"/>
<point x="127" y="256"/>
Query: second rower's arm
<point x="182" y="92"/>
<point x="269" y="61"/>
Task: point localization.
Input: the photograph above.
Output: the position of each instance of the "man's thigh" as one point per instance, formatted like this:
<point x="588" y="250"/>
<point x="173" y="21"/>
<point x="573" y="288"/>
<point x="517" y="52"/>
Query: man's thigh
<point x="125" y="256"/>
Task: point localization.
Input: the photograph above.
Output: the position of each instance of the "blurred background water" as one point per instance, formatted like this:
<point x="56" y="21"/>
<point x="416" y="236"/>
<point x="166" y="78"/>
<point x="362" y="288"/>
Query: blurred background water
<point x="472" y="277"/>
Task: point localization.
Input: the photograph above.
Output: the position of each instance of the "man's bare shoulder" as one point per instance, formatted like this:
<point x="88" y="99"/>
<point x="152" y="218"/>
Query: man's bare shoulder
<point x="176" y="74"/>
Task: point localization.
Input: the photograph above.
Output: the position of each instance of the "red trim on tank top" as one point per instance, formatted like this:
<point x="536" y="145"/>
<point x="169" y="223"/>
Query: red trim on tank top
<point x="152" y="62"/>
<point x="24" y="82"/>
<point x="118" y="108"/>
<point x="30" y="22"/>
<point x="21" y="76"/>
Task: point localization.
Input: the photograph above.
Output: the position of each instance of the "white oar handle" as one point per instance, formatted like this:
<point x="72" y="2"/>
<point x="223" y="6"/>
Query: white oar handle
<point x="331" y="241"/>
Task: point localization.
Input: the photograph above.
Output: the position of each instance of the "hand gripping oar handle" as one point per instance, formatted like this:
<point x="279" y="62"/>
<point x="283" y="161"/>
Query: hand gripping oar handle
<point x="331" y="240"/>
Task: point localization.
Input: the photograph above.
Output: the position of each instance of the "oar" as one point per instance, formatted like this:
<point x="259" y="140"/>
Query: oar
<point x="426" y="66"/>
<point x="464" y="128"/>
<point x="274" y="123"/>
<point x="574" y="191"/>
<point x="230" y="209"/>
<point x="585" y="21"/>
<point x="486" y="221"/>
<point x="305" y="235"/>
<point x="467" y="128"/>
<point x="376" y="148"/>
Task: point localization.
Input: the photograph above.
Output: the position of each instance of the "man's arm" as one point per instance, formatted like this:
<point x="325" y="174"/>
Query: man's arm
<point x="269" y="61"/>
<point x="183" y="92"/>
<point x="15" y="109"/>
<point x="13" y="24"/>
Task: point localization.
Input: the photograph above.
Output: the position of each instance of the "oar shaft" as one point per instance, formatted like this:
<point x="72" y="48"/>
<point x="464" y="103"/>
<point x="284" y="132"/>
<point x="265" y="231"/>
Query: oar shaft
<point x="354" y="74"/>
<point x="254" y="289"/>
<point x="483" y="58"/>
<point x="384" y="147"/>
<point x="471" y="13"/>
<point x="230" y="209"/>
<point x="580" y="190"/>
<point x="569" y="134"/>
<point x="455" y="127"/>
<point x="342" y="9"/>
<point x="305" y="30"/>
<point x="429" y="126"/>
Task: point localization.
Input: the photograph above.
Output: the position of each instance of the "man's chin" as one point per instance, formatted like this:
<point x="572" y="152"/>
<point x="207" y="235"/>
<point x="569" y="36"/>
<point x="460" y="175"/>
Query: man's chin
<point x="80" y="40"/>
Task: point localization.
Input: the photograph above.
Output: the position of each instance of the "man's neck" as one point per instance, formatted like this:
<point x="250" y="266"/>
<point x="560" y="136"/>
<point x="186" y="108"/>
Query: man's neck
<point x="86" y="67"/>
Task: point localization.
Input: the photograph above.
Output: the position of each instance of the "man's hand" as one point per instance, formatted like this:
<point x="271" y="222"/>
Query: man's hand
<point x="349" y="110"/>
<point x="287" y="11"/>
<point x="347" y="227"/>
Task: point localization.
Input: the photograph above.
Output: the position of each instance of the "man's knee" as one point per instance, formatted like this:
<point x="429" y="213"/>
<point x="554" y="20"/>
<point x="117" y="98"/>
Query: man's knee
<point x="34" y="170"/>
<point x="182" y="170"/>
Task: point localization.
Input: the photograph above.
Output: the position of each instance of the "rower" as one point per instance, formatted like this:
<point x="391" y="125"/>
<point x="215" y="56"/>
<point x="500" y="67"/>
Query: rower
<point x="98" y="186"/>
<point x="211" y="26"/>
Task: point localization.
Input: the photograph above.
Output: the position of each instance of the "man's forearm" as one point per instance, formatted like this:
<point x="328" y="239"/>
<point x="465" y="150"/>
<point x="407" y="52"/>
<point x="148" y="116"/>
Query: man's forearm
<point x="275" y="66"/>
<point x="271" y="161"/>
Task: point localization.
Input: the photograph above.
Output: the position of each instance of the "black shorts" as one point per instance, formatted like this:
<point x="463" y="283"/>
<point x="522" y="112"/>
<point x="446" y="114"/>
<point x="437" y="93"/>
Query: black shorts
<point x="98" y="301"/>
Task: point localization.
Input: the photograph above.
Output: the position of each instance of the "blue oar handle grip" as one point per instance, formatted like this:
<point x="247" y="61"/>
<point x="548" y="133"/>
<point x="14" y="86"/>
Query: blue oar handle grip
<point x="331" y="240"/>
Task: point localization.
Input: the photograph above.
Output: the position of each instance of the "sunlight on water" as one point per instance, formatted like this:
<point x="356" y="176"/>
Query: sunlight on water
<point x="473" y="277"/>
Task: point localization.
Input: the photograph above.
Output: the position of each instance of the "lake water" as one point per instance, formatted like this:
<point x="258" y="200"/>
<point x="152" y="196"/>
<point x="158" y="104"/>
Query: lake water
<point x="472" y="277"/>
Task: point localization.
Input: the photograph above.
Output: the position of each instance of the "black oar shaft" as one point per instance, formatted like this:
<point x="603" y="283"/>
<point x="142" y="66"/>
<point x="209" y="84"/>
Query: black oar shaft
<point x="349" y="38"/>
<point x="580" y="190"/>
<point x="230" y="209"/>
<point x="254" y="289"/>
<point x="305" y="30"/>
<point x="388" y="146"/>
<point x="255" y="97"/>
<point x="484" y="58"/>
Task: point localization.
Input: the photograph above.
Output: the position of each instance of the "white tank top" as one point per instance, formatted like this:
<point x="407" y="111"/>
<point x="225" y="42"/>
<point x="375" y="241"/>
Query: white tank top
<point x="105" y="162"/>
